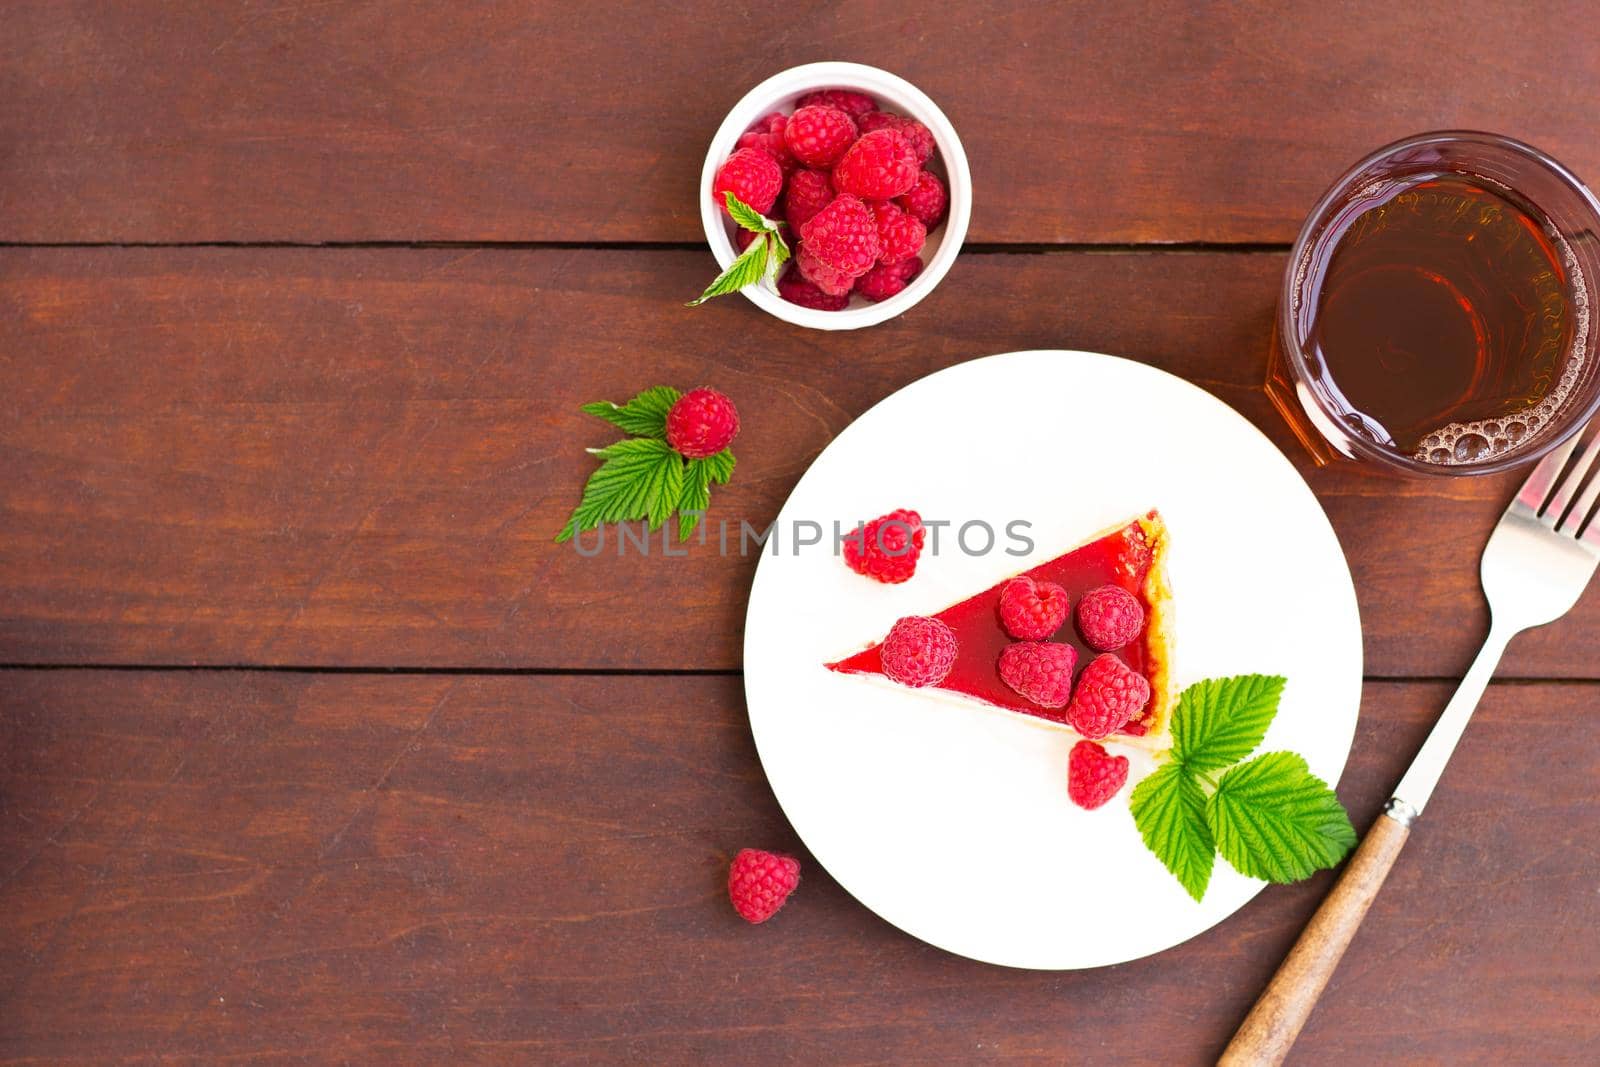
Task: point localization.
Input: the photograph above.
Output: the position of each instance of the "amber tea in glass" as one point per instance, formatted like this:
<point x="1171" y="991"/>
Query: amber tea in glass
<point x="1436" y="313"/>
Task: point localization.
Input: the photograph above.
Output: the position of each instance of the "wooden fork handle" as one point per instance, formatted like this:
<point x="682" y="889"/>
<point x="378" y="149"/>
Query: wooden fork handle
<point x="1275" y="1021"/>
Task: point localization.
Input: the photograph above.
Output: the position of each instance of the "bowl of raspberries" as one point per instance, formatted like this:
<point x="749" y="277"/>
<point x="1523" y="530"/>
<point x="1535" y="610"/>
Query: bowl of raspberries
<point x="835" y="196"/>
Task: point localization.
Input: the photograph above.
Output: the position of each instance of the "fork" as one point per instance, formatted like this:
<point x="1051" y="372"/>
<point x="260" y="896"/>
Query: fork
<point x="1538" y="561"/>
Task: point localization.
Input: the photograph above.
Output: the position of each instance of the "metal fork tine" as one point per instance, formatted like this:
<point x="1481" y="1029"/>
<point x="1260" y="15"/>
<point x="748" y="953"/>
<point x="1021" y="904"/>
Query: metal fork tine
<point x="1578" y="514"/>
<point x="1536" y="490"/>
<point x="1572" y="480"/>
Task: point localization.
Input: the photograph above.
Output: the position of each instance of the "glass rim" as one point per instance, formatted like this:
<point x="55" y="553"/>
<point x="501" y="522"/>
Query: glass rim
<point x="1290" y="342"/>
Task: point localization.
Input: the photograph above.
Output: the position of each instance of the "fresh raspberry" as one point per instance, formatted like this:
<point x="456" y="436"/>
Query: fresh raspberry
<point x="1110" y="695"/>
<point x="794" y="288"/>
<point x="1032" y="611"/>
<point x="809" y="192"/>
<point x="887" y="547"/>
<point x="918" y="136"/>
<point x="751" y="175"/>
<point x="843" y="235"/>
<point x="926" y="200"/>
<point x="1109" y="617"/>
<point x="828" y="281"/>
<point x="900" y="236"/>
<point x="702" y="423"/>
<point x="886" y="280"/>
<point x="1041" y="671"/>
<point x="919" y="651"/>
<point x="880" y="166"/>
<point x="767" y="136"/>
<point x="1093" y="775"/>
<point x="759" y="883"/>
<point x="817" y="136"/>
<point x="850" y="102"/>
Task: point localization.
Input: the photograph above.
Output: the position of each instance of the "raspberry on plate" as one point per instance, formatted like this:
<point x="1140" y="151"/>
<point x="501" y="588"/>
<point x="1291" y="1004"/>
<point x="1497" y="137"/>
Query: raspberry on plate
<point x="809" y="192"/>
<point x="828" y="281"/>
<point x="886" y="548"/>
<point x="759" y="883"/>
<point x="1031" y="610"/>
<point x="918" y="651"/>
<point x="794" y="288"/>
<point x="702" y="423"/>
<point x="843" y="235"/>
<point x="1093" y="775"/>
<point x="888" y="279"/>
<point x="881" y="165"/>
<point x="1041" y="671"/>
<point x="849" y="101"/>
<point x="1109" y="617"/>
<point x="817" y="136"/>
<point x="927" y="200"/>
<point x="751" y="175"/>
<point x="900" y="236"/>
<point x="1110" y="695"/>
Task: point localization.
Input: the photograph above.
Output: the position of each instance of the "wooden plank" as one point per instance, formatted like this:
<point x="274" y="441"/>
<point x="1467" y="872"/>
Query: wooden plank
<point x="281" y="865"/>
<point x="360" y="457"/>
<point x="1134" y="122"/>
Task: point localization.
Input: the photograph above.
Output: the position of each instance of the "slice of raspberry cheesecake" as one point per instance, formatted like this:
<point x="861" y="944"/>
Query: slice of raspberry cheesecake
<point x="1082" y="640"/>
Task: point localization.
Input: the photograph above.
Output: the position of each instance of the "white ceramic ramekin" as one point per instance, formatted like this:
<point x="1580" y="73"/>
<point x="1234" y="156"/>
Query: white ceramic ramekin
<point x="779" y="93"/>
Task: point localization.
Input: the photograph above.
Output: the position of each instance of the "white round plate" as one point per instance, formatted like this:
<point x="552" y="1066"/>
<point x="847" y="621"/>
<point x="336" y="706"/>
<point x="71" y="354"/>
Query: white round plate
<point x="951" y="819"/>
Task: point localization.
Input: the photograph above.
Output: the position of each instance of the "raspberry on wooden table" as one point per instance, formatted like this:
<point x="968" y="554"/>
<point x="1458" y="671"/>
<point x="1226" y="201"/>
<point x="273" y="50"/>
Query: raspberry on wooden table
<point x="1110" y="695"/>
<point x="751" y="175"/>
<point x="1093" y="775"/>
<point x="881" y="165"/>
<point x="888" y="279"/>
<point x="760" y="882"/>
<point x="702" y="423"/>
<point x="1041" y="671"/>
<point x="1032" y="610"/>
<point x="919" y="651"/>
<point x="817" y="136"/>
<point x="886" y="549"/>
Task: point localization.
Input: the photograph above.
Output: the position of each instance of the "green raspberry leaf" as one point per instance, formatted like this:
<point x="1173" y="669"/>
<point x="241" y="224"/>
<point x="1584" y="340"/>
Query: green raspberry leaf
<point x="1273" y="819"/>
<point x="696" y="496"/>
<point x="748" y="269"/>
<point x="1220" y="721"/>
<point x="720" y="466"/>
<point x="747" y="216"/>
<point x="643" y="416"/>
<point x="640" y="478"/>
<point x="1169" y="810"/>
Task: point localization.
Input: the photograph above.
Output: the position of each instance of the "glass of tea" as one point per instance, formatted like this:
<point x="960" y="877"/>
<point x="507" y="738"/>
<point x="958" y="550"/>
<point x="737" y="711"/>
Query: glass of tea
<point x="1437" y="312"/>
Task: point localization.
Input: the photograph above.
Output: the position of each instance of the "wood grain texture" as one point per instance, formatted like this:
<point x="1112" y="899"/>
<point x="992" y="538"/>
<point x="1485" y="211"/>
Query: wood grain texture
<point x="1133" y="122"/>
<point x="1269" y="1031"/>
<point x="280" y="866"/>
<point x="359" y="457"/>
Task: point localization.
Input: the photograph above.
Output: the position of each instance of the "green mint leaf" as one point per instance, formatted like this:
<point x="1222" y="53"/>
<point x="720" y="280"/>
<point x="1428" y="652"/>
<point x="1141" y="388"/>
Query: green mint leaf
<point x="640" y="478"/>
<point x="696" y="496"/>
<point x="1220" y="721"/>
<point x="1273" y="819"/>
<point x="1169" y="810"/>
<point x="747" y="216"/>
<point x="748" y="269"/>
<point x="643" y="416"/>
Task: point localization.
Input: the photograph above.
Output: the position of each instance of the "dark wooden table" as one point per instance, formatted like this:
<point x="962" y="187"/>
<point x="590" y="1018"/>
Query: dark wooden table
<point x="314" y="746"/>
